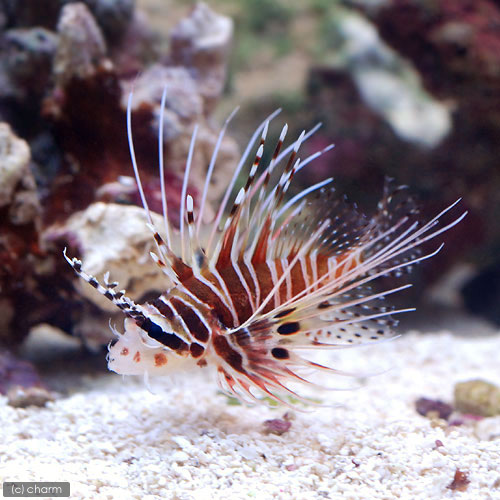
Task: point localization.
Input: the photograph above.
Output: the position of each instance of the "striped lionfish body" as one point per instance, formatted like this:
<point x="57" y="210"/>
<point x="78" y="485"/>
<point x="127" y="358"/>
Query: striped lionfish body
<point x="274" y="276"/>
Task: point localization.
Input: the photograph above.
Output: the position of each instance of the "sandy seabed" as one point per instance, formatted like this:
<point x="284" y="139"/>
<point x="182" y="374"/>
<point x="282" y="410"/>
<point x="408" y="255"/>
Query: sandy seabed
<point x="112" y="438"/>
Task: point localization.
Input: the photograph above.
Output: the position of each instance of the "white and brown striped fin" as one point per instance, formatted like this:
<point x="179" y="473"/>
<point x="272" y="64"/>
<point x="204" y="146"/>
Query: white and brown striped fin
<point x="249" y="231"/>
<point x="261" y="130"/>
<point x="198" y="257"/>
<point x="118" y="298"/>
<point x="330" y="294"/>
<point x="210" y="170"/>
<point x="342" y="312"/>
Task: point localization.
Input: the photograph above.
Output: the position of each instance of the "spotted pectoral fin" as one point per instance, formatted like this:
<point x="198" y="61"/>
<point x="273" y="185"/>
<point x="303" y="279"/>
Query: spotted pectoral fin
<point x="267" y="353"/>
<point x="352" y="315"/>
<point x="331" y="328"/>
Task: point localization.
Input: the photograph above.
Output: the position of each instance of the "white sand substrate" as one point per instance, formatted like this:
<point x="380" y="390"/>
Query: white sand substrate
<point x="112" y="438"/>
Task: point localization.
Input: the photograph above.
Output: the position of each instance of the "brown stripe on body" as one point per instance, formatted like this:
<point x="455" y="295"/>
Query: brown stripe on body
<point x="297" y="278"/>
<point x="299" y="282"/>
<point x="196" y="350"/>
<point x="248" y="278"/>
<point x="283" y="295"/>
<point x="210" y="298"/>
<point x="239" y="296"/>
<point x="266" y="284"/>
<point x="163" y="308"/>
<point x="195" y="326"/>
<point x="170" y="340"/>
<point x="232" y="357"/>
<point x="347" y="266"/>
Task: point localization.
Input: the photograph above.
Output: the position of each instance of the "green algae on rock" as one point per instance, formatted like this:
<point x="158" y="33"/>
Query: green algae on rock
<point x="477" y="397"/>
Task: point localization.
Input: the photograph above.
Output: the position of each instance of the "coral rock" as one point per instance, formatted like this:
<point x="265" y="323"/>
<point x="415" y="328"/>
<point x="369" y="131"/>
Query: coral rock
<point x="82" y="48"/>
<point x="114" y="238"/>
<point x="22" y="397"/>
<point x="478" y="397"/>
<point x="113" y="16"/>
<point x="433" y="408"/>
<point x="19" y="222"/>
<point x="16" y="373"/>
<point x="184" y="108"/>
<point x="201" y="42"/>
<point x="27" y="61"/>
<point x="17" y="185"/>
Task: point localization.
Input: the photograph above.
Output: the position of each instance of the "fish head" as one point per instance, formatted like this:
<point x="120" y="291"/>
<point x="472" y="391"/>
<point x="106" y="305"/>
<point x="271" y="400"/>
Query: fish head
<point x="136" y="353"/>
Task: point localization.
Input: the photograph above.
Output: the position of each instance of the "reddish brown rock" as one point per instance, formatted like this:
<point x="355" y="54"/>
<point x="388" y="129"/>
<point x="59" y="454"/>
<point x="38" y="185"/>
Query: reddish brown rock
<point x="64" y="94"/>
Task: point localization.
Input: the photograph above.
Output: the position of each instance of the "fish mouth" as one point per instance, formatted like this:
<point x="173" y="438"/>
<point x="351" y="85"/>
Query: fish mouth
<point x="111" y="344"/>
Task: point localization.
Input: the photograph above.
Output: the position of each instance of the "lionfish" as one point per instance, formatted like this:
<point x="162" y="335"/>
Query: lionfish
<point x="275" y="276"/>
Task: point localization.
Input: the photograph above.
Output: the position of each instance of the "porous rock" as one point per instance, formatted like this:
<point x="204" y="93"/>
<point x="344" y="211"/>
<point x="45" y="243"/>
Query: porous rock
<point x="114" y="238"/>
<point x="82" y="48"/>
<point x="27" y="61"/>
<point x="201" y="42"/>
<point x="17" y="185"/>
